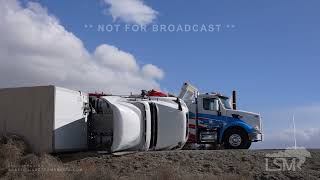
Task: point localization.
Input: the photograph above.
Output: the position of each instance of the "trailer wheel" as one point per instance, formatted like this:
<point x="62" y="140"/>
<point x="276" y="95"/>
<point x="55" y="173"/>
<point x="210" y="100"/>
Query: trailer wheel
<point x="236" y="139"/>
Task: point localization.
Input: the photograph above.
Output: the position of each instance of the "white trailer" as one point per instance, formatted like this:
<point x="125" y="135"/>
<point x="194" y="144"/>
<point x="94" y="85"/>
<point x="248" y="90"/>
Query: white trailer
<point x="51" y="119"/>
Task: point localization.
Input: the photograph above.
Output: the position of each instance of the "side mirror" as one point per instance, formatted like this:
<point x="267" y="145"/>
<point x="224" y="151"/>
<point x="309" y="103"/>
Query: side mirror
<point x="216" y="105"/>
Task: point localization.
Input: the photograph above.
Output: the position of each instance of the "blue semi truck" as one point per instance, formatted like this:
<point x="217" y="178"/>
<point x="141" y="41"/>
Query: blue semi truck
<point x="213" y="119"/>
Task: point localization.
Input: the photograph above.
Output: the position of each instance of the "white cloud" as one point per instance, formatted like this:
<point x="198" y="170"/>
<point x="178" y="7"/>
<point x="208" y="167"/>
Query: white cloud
<point x="35" y="49"/>
<point x="152" y="71"/>
<point x="131" y="11"/>
<point x="111" y="56"/>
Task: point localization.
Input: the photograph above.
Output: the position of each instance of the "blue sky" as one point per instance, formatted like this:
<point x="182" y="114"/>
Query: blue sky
<point x="271" y="57"/>
<point x="272" y="53"/>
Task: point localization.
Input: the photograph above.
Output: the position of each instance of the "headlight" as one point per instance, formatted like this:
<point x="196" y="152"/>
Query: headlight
<point x="256" y="116"/>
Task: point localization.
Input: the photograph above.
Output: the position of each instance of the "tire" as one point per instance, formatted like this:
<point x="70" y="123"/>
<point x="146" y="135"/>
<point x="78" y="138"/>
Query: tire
<point x="236" y="139"/>
<point x="248" y="145"/>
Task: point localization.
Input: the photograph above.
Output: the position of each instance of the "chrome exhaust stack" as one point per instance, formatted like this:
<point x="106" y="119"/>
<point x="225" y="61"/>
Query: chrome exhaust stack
<point x="234" y="100"/>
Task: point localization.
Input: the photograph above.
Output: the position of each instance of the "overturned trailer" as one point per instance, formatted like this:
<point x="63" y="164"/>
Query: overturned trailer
<point x="49" y="118"/>
<point x="54" y="119"/>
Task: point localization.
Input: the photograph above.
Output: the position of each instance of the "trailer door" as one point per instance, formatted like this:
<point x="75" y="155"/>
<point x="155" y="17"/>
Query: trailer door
<point x="70" y="124"/>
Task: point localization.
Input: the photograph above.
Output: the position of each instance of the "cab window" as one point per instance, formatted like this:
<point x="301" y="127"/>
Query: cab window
<point x="209" y="104"/>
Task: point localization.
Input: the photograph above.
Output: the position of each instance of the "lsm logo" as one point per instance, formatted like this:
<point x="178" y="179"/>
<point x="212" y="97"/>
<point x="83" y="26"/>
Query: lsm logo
<point x="288" y="160"/>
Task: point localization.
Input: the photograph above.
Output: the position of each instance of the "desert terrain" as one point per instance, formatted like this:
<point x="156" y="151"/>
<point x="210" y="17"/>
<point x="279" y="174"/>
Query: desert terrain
<point x="16" y="162"/>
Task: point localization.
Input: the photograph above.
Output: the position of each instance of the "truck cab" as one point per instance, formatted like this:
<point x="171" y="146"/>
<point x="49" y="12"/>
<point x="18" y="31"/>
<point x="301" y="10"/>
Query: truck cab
<point x="137" y="124"/>
<point x="213" y="120"/>
<point x="173" y="120"/>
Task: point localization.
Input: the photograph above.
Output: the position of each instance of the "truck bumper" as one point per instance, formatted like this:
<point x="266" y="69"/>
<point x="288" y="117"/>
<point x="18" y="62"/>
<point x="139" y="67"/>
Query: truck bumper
<point x="256" y="136"/>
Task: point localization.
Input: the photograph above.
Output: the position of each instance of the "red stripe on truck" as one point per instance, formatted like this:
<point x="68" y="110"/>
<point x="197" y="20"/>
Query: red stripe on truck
<point x="192" y="126"/>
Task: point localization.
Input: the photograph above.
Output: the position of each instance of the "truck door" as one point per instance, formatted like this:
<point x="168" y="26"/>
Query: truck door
<point x="208" y="119"/>
<point x="208" y="110"/>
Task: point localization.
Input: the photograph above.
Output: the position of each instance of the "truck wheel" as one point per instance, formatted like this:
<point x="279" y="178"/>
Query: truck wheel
<point x="248" y="145"/>
<point x="236" y="139"/>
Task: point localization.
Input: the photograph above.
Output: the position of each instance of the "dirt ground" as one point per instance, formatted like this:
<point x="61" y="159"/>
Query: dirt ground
<point x="17" y="163"/>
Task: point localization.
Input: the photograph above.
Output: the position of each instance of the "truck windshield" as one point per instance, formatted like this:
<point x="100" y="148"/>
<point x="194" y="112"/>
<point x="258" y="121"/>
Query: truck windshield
<point x="226" y="102"/>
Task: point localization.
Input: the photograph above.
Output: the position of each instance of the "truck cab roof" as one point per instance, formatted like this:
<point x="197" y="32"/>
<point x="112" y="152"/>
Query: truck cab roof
<point x="214" y="94"/>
